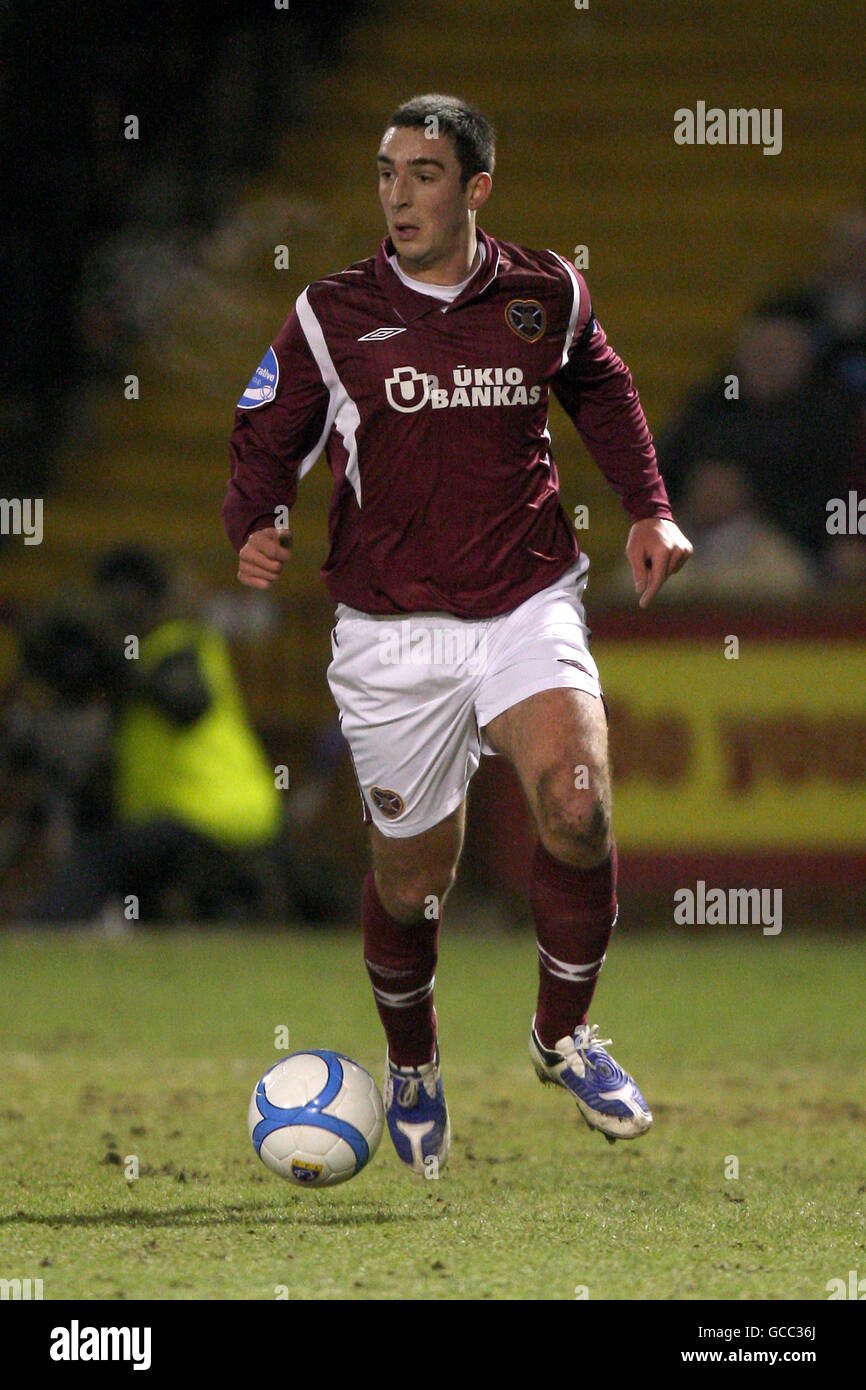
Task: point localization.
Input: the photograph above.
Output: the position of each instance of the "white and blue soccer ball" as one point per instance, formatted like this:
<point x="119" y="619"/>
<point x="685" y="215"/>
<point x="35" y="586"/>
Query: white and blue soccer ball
<point x="316" y="1118"/>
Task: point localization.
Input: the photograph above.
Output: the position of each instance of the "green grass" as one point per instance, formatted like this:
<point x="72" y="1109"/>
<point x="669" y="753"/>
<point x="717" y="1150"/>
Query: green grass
<point x="752" y="1047"/>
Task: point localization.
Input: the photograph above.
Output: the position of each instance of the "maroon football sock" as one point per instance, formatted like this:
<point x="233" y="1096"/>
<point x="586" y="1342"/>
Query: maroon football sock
<point x="574" y="911"/>
<point x="401" y="963"/>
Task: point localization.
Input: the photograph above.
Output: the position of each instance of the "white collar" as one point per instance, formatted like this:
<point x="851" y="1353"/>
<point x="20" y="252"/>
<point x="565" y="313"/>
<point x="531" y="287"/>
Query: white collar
<point x="445" y="292"/>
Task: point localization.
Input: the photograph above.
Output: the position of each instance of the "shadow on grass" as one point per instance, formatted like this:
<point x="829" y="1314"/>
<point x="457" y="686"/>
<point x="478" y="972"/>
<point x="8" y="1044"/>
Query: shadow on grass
<point x="295" y="1215"/>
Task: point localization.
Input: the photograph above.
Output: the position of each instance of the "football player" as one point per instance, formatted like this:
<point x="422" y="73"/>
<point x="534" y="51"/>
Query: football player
<point x="424" y="373"/>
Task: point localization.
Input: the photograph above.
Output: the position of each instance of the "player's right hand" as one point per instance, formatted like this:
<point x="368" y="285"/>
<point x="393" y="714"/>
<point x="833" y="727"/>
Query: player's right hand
<point x="262" y="557"/>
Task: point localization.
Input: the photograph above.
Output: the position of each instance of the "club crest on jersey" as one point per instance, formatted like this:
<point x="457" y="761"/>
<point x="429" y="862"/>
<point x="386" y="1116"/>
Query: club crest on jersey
<point x="389" y="803"/>
<point x="526" y="318"/>
<point x="263" y="386"/>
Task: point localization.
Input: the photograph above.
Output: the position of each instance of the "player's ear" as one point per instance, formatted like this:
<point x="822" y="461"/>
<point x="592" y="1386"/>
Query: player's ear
<point x="478" y="191"/>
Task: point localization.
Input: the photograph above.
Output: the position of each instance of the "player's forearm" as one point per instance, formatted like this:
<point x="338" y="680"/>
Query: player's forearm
<point x="630" y="467"/>
<point x="604" y="404"/>
<point x="257" y="489"/>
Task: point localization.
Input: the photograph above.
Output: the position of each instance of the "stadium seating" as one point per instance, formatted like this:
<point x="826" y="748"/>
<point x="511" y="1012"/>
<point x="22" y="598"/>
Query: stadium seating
<point x="681" y="240"/>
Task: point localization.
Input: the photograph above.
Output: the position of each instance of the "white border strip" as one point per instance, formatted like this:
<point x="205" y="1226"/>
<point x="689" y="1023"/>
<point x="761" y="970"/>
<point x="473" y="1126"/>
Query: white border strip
<point x="575" y="307"/>
<point x="343" y="414"/>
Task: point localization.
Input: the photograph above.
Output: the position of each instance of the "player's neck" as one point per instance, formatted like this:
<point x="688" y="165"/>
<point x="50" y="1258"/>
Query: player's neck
<point x="449" y="270"/>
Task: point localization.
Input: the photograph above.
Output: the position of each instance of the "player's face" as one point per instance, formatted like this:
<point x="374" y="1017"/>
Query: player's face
<point x="427" y="209"/>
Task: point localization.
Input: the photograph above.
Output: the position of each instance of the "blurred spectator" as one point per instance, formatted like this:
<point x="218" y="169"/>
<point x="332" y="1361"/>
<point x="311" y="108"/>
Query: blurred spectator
<point x="55" y="741"/>
<point x="833" y="303"/>
<point x="197" y="814"/>
<point x="792" y="434"/>
<point x="738" y="555"/>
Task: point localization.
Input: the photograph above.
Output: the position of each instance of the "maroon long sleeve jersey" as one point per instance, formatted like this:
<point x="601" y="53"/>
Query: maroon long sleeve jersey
<point x="434" y="421"/>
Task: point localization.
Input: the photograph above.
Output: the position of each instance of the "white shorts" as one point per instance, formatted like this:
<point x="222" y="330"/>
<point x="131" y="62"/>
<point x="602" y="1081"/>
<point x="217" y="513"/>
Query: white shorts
<point x="415" y="693"/>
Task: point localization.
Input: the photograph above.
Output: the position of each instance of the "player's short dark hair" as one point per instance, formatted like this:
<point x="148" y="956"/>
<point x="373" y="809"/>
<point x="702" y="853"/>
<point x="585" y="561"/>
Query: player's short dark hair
<point x="473" y="135"/>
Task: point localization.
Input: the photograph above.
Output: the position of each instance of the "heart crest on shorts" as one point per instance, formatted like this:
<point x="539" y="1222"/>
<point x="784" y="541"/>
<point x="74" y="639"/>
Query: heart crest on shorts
<point x="389" y="803"/>
<point x="526" y="318"/>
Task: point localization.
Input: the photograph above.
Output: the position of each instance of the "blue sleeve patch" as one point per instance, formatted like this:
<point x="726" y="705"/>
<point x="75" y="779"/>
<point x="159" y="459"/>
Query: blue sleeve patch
<point x="263" y="386"/>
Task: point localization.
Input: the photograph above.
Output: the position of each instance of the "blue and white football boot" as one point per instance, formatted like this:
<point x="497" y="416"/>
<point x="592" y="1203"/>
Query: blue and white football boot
<point x="607" y="1097"/>
<point x="417" y="1115"/>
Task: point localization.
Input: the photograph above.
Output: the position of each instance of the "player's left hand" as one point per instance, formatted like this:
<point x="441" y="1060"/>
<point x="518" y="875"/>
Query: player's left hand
<point x="655" y="550"/>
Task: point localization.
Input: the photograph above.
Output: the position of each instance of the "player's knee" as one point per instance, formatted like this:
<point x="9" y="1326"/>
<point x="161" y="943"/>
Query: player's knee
<point x="415" y="897"/>
<point x="574" y="823"/>
<point x="582" y="839"/>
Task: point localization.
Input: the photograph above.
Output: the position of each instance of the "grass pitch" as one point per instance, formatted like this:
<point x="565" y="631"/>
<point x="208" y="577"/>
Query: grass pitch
<point x="751" y="1051"/>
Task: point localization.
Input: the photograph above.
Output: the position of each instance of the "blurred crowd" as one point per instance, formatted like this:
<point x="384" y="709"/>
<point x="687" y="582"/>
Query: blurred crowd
<point x="134" y="786"/>
<point x="757" y="453"/>
<point x="91" y="238"/>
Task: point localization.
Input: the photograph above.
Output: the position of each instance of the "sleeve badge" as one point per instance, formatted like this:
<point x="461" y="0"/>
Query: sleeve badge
<point x="263" y="386"/>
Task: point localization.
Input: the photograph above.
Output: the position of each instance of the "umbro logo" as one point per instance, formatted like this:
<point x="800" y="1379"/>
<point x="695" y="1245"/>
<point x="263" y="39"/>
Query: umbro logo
<point x="379" y="333"/>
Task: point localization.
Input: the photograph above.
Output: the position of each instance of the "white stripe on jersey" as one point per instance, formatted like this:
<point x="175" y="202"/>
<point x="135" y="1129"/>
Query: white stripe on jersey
<point x="343" y="414"/>
<point x="575" y="307"/>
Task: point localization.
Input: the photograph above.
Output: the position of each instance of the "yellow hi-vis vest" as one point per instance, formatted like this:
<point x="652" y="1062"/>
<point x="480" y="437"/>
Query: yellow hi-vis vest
<point x="211" y="776"/>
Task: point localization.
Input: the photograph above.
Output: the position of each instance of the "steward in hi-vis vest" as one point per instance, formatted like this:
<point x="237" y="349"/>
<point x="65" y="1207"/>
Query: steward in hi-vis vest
<point x="187" y="752"/>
